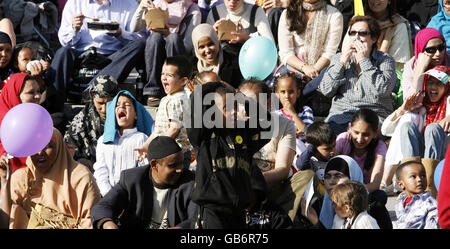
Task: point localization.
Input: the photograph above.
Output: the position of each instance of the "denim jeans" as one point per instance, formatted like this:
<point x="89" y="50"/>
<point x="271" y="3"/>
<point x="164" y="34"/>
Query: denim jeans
<point x="430" y="145"/>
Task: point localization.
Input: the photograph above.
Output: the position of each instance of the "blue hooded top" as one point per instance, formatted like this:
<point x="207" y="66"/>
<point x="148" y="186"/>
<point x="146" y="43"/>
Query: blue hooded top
<point x="144" y="121"/>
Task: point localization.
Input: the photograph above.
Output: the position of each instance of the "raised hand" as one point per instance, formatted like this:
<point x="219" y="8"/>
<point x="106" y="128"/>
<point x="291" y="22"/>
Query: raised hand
<point x="77" y="21"/>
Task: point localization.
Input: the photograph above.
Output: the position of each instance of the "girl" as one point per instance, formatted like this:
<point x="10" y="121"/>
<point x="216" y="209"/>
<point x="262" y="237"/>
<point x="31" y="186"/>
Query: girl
<point x="127" y="126"/>
<point x="350" y="202"/>
<point x="309" y="34"/>
<point x="395" y="37"/>
<point x="430" y="51"/>
<point x="289" y="89"/>
<point x="19" y="88"/>
<point x="361" y="142"/>
<point x="418" y="129"/>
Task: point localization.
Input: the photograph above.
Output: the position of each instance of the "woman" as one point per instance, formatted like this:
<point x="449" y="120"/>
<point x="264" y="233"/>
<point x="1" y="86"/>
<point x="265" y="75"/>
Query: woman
<point x="359" y="76"/>
<point x="53" y="191"/>
<point x="395" y="37"/>
<point x="87" y="126"/>
<point x="174" y="39"/>
<point x="211" y="57"/>
<point x="309" y="34"/>
<point x="429" y="51"/>
<point x="19" y="88"/>
<point x="419" y="129"/>
<point x="441" y="21"/>
<point x="6" y="52"/>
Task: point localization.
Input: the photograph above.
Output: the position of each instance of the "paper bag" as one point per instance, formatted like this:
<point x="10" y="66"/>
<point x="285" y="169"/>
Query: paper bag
<point x="156" y="18"/>
<point x="225" y="29"/>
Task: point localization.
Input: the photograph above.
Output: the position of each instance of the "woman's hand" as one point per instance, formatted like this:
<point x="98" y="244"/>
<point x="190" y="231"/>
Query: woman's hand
<point x="347" y="51"/>
<point x="423" y="61"/>
<point x="241" y="35"/>
<point x="310" y="71"/>
<point x="146" y="4"/>
<point x="5" y="169"/>
<point x="362" y="50"/>
<point x="412" y="103"/>
<point x="270" y="4"/>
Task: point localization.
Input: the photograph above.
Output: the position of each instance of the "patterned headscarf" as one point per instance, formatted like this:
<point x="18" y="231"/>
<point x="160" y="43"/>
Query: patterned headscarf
<point x="105" y="86"/>
<point x="436" y="110"/>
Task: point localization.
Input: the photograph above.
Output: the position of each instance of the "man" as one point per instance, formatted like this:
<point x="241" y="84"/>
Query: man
<point x="123" y="47"/>
<point x="153" y="196"/>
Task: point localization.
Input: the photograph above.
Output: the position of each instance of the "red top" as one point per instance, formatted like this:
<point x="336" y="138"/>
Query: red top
<point x="444" y="194"/>
<point x="9" y="98"/>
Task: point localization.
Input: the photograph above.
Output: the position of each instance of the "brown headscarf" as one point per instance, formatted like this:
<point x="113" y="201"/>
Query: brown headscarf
<point x="62" y="197"/>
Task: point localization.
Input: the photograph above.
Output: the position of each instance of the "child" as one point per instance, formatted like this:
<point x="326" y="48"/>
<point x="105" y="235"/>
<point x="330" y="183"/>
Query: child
<point x="202" y="78"/>
<point x="350" y="201"/>
<point x="127" y="126"/>
<point x="321" y="147"/>
<point x="170" y="114"/>
<point x="419" y="128"/>
<point x="415" y="206"/>
<point x="226" y="178"/>
<point x="289" y="90"/>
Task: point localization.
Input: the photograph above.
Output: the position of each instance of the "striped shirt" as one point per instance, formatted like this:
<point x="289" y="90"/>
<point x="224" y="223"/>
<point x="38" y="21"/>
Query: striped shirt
<point x="351" y="91"/>
<point x="306" y="115"/>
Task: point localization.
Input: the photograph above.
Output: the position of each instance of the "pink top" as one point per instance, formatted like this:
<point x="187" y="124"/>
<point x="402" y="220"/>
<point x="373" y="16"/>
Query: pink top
<point x="343" y="147"/>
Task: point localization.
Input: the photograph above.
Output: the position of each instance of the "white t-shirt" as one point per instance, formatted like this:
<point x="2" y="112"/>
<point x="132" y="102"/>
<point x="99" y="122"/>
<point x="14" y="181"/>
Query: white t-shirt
<point x="159" y="212"/>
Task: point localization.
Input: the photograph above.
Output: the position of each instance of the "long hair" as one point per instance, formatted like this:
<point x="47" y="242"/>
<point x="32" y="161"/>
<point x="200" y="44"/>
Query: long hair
<point x="391" y="8"/>
<point x="371" y="118"/>
<point x="296" y="17"/>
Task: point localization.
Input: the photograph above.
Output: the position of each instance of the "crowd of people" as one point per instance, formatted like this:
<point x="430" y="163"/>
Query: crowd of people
<point x="356" y="107"/>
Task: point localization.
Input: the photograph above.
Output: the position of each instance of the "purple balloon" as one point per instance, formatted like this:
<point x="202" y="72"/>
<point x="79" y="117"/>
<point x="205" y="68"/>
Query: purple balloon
<point x="26" y="129"/>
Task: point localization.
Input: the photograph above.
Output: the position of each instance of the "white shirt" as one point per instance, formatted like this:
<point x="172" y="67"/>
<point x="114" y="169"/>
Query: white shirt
<point x="111" y="159"/>
<point x="159" y="211"/>
<point x="363" y="221"/>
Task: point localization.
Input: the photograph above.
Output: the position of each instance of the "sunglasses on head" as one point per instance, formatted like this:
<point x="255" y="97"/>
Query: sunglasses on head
<point x="432" y="50"/>
<point x="360" y="33"/>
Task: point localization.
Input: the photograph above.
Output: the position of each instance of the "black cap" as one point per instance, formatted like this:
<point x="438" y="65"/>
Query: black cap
<point x="161" y="147"/>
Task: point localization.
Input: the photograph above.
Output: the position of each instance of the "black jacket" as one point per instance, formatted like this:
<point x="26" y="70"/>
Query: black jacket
<point x="134" y="196"/>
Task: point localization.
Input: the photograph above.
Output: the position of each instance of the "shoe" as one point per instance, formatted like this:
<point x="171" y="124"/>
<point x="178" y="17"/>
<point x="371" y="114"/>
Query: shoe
<point x="153" y="101"/>
<point x="392" y="190"/>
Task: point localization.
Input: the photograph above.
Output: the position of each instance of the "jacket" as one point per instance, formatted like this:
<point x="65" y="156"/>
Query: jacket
<point x="134" y="196"/>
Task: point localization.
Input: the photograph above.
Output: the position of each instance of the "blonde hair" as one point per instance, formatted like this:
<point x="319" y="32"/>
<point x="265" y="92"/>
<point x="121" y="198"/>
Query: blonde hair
<point x="354" y="194"/>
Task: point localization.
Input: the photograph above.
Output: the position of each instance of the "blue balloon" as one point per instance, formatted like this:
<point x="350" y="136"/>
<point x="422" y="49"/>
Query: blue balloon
<point x="258" y="58"/>
<point x="437" y="173"/>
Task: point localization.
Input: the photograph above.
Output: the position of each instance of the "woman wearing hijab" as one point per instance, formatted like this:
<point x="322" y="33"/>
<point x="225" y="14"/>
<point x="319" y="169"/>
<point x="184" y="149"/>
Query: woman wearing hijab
<point x="53" y="191"/>
<point x="174" y="39"/>
<point x="429" y="51"/>
<point x="441" y="21"/>
<point x="6" y="52"/>
<point x="419" y="129"/>
<point x="211" y="57"/>
<point x="87" y="126"/>
<point x="19" y="88"/>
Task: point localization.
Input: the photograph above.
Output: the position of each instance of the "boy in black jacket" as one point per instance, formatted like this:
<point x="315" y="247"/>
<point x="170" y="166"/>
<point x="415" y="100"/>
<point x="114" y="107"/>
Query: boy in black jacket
<point x="225" y="180"/>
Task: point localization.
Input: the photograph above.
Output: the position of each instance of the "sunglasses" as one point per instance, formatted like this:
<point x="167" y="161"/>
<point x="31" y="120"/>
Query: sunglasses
<point x="432" y="50"/>
<point x="360" y="33"/>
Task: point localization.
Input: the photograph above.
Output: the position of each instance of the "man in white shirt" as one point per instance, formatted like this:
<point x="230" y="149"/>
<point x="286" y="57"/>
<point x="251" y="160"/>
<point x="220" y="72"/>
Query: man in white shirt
<point x="124" y="48"/>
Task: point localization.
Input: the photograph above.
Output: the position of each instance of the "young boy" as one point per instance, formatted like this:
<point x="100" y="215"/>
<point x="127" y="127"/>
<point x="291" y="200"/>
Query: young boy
<point x="321" y="147"/>
<point x="169" y="117"/>
<point x="415" y="209"/>
<point x="127" y="126"/>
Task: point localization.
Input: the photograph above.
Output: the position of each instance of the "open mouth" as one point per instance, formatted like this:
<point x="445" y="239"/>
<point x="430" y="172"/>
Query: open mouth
<point x="433" y="94"/>
<point x="121" y="115"/>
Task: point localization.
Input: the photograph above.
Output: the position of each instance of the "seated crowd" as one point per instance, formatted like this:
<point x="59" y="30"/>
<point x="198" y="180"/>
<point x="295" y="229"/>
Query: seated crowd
<point x="356" y="107"/>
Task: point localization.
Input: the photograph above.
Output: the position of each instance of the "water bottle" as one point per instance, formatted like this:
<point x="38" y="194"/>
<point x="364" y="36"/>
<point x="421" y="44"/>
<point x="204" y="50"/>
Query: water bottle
<point x="140" y="87"/>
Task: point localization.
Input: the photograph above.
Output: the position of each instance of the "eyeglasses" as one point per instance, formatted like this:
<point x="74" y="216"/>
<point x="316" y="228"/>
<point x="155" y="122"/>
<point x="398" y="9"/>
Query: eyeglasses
<point x="360" y="33"/>
<point x="432" y="50"/>
<point x="337" y="176"/>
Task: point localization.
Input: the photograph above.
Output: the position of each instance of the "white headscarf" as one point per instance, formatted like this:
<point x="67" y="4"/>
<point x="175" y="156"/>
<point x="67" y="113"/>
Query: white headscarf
<point x="199" y="32"/>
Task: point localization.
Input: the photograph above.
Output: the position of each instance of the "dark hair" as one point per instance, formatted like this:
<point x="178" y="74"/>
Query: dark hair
<point x="400" y="167"/>
<point x="374" y="27"/>
<point x="296" y="16"/>
<point x="262" y="86"/>
<point x="298" y="106"/>
<point x="319" y="133"/>
<point x="184" y="67"/>
<point x="15" y="55"/>
<point x="352" y="193"/>
<point x="391" y="8"/>
<point x="371" y="118"/>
